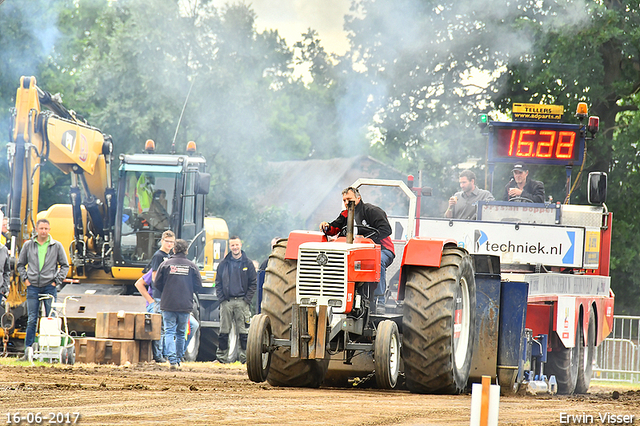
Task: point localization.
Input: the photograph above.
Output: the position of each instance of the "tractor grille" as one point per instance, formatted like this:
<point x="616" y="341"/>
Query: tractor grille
<point x="322" y="274"/>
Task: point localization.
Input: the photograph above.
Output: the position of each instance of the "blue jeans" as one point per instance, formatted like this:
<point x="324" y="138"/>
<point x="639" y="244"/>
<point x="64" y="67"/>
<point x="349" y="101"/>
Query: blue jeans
<point x="175" y="328"/>
<point x="33" y="306"/>
<point x="386" y="259"/>
<point x="158" y="345"/>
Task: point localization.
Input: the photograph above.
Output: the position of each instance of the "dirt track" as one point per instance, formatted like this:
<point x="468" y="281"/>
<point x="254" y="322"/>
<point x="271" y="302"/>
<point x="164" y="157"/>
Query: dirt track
<point x="209" y="394"/>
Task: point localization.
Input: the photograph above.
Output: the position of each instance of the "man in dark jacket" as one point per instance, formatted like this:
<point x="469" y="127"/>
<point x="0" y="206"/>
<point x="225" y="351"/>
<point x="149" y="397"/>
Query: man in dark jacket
<point x="235" y="286"/>
<point x="43" y="266"/>
<point x="522" y="187"/>
<point x="178" y="279"/>
<point x="373" y="217"/>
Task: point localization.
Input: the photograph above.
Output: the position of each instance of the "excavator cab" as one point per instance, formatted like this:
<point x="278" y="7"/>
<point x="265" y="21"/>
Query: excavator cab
<point x="156" y="193"/>
<point x="145" y="213"/>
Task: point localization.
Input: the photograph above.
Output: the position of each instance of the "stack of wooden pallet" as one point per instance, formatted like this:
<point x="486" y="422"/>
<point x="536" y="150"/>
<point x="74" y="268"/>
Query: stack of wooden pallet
<point x="121" y="337"/>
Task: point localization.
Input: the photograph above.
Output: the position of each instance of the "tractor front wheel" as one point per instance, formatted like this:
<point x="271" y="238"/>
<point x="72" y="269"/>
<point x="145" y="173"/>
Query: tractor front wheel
<point x="438" y="319"/>
<point x="386" y="352"/>
<point x="258" y="353"/>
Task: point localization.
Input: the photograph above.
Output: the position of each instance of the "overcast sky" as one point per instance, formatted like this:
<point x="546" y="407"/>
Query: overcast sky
<point x="293" y="17"/>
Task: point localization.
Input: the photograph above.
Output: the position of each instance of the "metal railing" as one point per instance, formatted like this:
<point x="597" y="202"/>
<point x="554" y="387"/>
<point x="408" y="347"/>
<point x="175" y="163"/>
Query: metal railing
<point x="618" y="356"/>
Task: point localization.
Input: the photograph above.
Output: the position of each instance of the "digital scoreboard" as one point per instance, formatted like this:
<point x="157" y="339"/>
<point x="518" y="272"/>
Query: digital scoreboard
<point x="536" y="143"/>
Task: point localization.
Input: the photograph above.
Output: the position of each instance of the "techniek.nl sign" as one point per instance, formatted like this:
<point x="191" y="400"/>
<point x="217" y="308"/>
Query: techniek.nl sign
<point x="522" y="243"/>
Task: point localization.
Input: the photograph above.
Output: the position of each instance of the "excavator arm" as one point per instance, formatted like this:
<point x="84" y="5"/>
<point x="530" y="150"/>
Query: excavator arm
<point x="44" y="130"/>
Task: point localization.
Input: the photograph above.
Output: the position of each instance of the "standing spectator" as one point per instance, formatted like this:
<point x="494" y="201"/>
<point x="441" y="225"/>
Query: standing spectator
<point x="166" y="245"/>
<point x="144" y="284"/>
<point x="178" y="279"/>
<point x="5" y="268"/>
<point x="464" y="204"/>
<point x="42" y="266"/>
<point x="235" y="287"/>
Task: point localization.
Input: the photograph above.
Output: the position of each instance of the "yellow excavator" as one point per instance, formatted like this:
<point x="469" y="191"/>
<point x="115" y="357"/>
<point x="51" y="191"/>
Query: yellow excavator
<point x="111" y="230"/>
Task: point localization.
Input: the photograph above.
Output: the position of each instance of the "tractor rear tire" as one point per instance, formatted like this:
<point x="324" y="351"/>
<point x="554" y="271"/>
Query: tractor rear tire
<point x="564" y="363"/>
<point x="386" y="352"/>
<point x="438" y="322"/>
<point x="278" y="297"/>
<point x="585" y="368"/>
<point x="258" y="342"/>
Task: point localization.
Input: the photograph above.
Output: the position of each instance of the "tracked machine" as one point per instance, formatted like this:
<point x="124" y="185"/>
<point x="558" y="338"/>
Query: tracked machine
<point x="111" y="227"/>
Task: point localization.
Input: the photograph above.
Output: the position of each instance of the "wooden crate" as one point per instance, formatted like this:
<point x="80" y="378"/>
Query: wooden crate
<point x="115" y="325"/>
<point x="146" y="350"/>
<point x="107" y="351"/>
<point x="147" y="326"/>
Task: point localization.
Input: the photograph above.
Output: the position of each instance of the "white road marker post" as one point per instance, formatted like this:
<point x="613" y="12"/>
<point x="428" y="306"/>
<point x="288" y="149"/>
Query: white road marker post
<point x="485" y="401"/>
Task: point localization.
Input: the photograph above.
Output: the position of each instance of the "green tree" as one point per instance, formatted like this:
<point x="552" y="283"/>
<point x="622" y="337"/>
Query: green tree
<point x="415" y="59"/>
<point x="31" y="39"/>
<point x="139" y="65"/>
<point x="596" y="62"/>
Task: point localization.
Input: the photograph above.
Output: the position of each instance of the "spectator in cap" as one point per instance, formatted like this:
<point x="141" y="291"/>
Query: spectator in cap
<point x="521" y="188"/>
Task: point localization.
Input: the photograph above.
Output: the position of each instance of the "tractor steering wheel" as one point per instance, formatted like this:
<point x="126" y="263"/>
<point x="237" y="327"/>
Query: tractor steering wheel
<point x="364" y="230"/>
<point x="521" y="200"/>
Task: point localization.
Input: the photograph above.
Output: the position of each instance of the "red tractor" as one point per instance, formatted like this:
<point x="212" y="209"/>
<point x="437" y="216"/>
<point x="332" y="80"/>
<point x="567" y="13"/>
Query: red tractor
<point x="531" y="280"/>
<point x="317" y="316"/>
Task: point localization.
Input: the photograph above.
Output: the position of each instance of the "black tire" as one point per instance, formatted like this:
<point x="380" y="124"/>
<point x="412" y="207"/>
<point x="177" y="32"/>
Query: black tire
<point x="278" y="296"/>
<point x="208" y="344"/>
<point x="191" y="351"/>
<point x="386" y="353"/>
<point x="585" y="368"/>
<point x="72" y="355"/>
<point x="438" y="322"/>
<point x="68" y="355"/>
<point x="234" y="344"/>
<point x="564" y="363"/>
<point x="258" y="354"/>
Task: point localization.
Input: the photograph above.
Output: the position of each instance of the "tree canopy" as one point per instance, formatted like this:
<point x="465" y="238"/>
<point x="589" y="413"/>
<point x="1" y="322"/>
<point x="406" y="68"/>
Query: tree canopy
<point x="407" y="92"/>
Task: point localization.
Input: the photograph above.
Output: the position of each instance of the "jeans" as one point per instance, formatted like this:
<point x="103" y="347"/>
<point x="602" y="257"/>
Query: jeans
<point x="158" y="345"/>
<point x="33" y="306"/>
<point x="386" y="259"/>
<point x="175" y="327"/>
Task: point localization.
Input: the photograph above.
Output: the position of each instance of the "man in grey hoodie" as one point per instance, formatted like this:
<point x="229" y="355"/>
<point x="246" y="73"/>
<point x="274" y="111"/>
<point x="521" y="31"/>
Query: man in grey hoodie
<point x="42" y="266"/>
